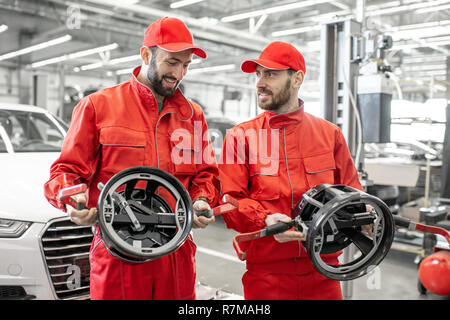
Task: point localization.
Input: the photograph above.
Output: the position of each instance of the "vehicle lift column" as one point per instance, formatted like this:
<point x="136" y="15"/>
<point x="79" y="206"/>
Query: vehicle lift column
<point x="338" y="76"/>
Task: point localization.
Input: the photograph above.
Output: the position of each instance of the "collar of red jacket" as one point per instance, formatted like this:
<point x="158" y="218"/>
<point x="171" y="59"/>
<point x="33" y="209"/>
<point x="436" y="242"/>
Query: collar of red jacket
<point x="278" y="121"/>
<point x="174" y="104"/>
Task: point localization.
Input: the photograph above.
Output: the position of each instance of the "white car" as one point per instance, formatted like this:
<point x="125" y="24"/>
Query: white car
<point x="42" y="254"/>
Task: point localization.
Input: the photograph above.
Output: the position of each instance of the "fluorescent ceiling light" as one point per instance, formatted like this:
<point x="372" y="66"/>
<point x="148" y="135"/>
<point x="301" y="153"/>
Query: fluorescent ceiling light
<point x="286" y="7"/>
<point x="420" y="33"/>
<point x="3" y="28"/>
<point x="183" y="3"/>
<point x="124" y="71"/>
<point x="36" y="47"/>
<point x="127" y="1"/>
<point x="423" y="44"/>
<point x="405" y="8"/>
<point x="422" y="67"/>
<point x="212" y="69"/>
<point x="75" y="55"/>
<point x="295" y="31"/>
<point x="432" y="9"/>
<point x="111" y="62"/>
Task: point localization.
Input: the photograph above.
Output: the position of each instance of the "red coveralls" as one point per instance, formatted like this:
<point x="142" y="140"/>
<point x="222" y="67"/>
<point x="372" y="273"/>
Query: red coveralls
<point x="117" y="128"/>
<point x="311" y="151"/>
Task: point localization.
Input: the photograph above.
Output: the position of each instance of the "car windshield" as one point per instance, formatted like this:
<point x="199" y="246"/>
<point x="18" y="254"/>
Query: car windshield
<point x="29" y="132"/>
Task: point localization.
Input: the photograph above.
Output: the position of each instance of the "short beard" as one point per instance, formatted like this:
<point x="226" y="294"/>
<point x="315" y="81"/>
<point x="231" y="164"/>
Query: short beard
<point x="280" y="99"/>
<point x="156" y="80"/>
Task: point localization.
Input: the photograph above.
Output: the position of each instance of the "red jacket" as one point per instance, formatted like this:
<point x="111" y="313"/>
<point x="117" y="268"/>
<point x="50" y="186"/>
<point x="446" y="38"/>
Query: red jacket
<point x="119" y="127"/>
<point x="306" y="151"/>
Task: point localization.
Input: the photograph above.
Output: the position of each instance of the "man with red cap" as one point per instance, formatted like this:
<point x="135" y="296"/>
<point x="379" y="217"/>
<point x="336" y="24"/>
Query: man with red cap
<point x="132" y="124"/>
<point x="267" y="164"/>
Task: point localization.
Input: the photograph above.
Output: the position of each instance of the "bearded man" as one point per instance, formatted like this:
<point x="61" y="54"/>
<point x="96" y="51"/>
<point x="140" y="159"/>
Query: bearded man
<point x="129" y="125"/>
<point x="267" y="164"/>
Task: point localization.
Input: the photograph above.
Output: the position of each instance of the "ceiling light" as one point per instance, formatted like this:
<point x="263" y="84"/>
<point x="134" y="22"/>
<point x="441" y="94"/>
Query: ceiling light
<point x="420" y="33"/>
<point x="127" y="2"/>
<point x="432" y="9"/>
<point x="36" y="47"/>
<point x="271" y="10"/>
<point x="183" y="3"/>
<point x="398" y="9"/>
<point x="116" y="61"/>
<point x="124" y="71"/>
<point x="75" y="55"/>
<point x="110" y="62"/>
<point x="212" y="69"/>
<point x="423" y="44"/>
<point x="3" y="27"/>
<point x="295" y="31"/>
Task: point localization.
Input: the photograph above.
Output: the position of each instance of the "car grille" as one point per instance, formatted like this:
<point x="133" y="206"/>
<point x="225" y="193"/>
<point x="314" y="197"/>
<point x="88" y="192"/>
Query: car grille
<point x="66" y="251"/>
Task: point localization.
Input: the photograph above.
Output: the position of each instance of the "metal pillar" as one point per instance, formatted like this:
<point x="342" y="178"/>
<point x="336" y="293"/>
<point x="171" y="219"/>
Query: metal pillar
<point x="338" y="73"/>
<point x="339" y="67"/>
<point x="445" y="183"/>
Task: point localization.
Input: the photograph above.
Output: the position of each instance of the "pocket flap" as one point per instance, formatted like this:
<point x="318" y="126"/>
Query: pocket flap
<point x="120" y="136"/>
<point x="320" y="163"/>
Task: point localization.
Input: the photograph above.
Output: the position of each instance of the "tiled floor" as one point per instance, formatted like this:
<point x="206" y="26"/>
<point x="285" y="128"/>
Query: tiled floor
<point x="219" y="272"/>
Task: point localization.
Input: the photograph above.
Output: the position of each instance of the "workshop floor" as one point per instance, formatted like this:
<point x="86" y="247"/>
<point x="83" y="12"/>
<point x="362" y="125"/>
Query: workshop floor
<point x="219" y="272"/>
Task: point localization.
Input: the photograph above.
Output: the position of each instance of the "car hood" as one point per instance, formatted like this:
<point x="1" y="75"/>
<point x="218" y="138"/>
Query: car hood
<point x="22" y="178"/>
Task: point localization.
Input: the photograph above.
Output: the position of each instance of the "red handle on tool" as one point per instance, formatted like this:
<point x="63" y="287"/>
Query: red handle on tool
<point x="65" y="195"/>
<point x="411" y="225"/>
<point x="267" y="231"/>
<point x="230" y="205"/>
<point x="244" y="237"/>
<point x="435" y="230"/>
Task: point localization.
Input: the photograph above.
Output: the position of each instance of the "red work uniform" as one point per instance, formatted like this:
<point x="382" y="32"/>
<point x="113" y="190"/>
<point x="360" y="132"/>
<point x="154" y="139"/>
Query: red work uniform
<point x="117" y="128"/>
<point x="301" y="152"/>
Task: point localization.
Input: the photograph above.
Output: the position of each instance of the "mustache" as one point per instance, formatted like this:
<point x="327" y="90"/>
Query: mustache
<point x="264" y="91"/>
<point x="170" y="78"/>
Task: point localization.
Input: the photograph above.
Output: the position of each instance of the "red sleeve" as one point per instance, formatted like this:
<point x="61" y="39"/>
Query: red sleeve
<point x="77" y="161"/>
<point x="234" y="177"/>
<point x="346" y="172"/>
<point x="206" y="183"/>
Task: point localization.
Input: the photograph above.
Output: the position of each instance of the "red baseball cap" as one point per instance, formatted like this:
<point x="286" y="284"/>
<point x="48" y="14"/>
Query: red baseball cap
<point x="278" y="56"/>
<point x="171" y="34"/>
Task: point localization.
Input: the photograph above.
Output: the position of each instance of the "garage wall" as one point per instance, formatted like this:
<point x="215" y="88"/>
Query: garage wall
<point x="9" y="85"/>
<point x="10" y="93"/>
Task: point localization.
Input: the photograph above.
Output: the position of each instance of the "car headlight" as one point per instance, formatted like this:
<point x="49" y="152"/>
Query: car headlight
<point x="12" y="228"/>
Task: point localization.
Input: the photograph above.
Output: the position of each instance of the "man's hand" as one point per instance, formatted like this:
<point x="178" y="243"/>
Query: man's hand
<point x="85" y="217"/>
<point x="368" y="228"/>
<point x="201" y="222"/>
<point x="286" y="236"/>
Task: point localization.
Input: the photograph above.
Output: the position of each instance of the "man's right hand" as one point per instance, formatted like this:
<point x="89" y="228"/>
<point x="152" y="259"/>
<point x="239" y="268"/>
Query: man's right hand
<point x="286" y="236"/>
<point x="85" y="217"/>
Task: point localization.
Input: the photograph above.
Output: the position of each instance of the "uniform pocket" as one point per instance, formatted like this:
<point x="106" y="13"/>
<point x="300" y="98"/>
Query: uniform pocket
<point x="185" y="157"/>
<point x="264" y="185"/>
<point x="122" y="148"/>
<point x="320" y="169"/>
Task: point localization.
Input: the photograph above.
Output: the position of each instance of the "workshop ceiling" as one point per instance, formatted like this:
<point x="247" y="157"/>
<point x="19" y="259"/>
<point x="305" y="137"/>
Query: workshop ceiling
<point x="230" y="31"/>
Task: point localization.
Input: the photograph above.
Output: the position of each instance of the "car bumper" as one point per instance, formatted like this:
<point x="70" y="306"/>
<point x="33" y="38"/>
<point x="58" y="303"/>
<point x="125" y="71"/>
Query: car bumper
<point x="23" y="266"/>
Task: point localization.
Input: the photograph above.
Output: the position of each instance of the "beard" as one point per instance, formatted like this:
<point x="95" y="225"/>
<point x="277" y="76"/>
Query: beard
<point x="278" y="100"/>
<point x="156" y="81"/>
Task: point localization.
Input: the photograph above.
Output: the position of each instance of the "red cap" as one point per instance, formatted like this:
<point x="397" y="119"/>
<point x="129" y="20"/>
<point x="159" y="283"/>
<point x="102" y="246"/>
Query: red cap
<point x="277" y="55"/>
<point x="171" y="34"/>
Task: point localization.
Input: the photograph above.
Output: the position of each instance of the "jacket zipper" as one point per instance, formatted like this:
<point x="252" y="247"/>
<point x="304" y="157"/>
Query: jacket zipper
<point x="290" y="183"/>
